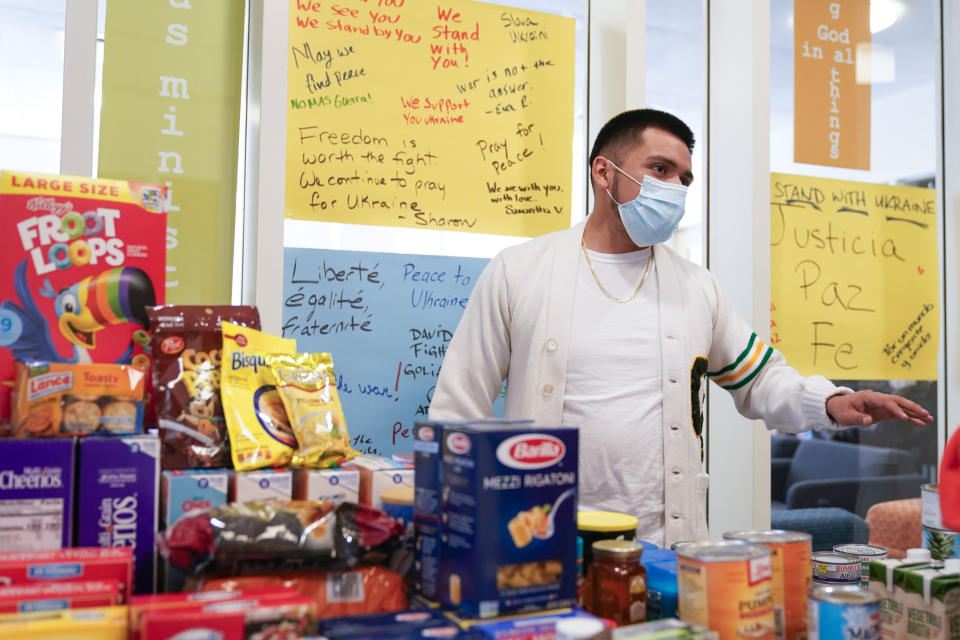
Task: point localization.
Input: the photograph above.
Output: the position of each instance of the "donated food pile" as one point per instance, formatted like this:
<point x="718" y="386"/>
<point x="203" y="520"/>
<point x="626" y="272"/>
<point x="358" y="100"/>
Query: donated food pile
<point x="183" y="474"/>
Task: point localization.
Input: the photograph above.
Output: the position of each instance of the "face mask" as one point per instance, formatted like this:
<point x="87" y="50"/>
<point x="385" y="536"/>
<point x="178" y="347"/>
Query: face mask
<point x="654" y="214"/>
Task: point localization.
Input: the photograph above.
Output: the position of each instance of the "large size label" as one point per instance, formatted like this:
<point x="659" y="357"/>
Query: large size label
<point x="31" y="524"/>
<point x="735" y="598"/>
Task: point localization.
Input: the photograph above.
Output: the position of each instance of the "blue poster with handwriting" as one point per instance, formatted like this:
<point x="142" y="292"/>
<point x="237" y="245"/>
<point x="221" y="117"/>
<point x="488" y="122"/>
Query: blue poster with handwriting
<point x="387" y="320"/>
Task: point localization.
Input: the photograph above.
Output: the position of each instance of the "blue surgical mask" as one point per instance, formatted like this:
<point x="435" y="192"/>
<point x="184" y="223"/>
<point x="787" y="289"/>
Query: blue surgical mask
<point x="653" y="216"/>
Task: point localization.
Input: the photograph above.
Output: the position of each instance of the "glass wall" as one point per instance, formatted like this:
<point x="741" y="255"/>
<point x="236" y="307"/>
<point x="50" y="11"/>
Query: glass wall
<point x="31" y="84"/>
<point x="856" y="468"/>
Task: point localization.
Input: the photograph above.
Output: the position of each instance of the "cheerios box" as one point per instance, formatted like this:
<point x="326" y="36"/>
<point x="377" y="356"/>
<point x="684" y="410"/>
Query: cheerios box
<point x="81" y="260"/>
<point x="117" y="486"/>
<point x="508" y="524"/>
<point x="36" y="494"/>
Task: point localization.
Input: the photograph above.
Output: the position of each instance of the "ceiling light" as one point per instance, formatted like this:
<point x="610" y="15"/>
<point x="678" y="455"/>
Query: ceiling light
<point x="884" y="13"/>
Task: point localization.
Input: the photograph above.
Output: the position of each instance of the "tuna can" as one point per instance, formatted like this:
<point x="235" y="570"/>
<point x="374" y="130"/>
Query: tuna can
<point x="832" y="568"/>
<point x="866" y="553"/>
<point x="727" y="587"/>
<point x="838" y="613"/>
<point x="790" y="557"/>
<point x="930" y="506"/>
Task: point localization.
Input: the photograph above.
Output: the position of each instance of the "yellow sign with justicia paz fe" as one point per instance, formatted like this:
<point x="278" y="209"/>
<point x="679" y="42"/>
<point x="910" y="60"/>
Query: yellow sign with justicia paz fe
<point x="854" y="278"/>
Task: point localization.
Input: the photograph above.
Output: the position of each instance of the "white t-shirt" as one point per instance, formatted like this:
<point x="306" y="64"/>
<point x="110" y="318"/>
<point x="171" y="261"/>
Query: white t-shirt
<point x="614" y="392"/>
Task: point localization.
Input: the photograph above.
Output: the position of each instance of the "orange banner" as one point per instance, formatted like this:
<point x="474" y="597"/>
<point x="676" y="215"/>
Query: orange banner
<point x="831" y="112"/>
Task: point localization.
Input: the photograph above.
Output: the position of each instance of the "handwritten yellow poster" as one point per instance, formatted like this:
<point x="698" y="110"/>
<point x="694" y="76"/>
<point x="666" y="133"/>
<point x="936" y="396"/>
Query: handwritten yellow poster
<point x="451" y="115"/>
<point x="854" y="278"/>
<point x="831" y="115"/>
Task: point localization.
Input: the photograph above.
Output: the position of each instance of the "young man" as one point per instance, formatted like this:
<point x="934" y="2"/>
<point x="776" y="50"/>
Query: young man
<point x="600" y="326"/>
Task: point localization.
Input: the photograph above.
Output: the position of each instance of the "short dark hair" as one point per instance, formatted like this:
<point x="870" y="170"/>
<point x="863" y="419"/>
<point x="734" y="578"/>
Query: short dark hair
<point x="628" y="126"/>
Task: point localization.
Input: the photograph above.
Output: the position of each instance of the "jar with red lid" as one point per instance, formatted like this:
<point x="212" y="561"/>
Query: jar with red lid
<point x="617" y="582"/>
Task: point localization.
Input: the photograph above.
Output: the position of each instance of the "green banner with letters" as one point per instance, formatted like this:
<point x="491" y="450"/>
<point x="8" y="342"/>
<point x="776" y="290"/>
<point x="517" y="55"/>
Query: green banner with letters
<point x="172" y="73"/>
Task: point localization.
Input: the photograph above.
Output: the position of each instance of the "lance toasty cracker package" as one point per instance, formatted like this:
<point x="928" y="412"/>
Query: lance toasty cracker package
<point x="53" y="398"/>
<point x="308" y="389"/>
<point x="81" y="259"/>
<point x="260" y="433"/>
<point x="187" y="343"/>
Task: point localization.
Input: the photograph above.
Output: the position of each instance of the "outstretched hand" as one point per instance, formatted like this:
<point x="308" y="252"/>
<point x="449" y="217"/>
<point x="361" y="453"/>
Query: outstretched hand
<point x="864" y="408"/>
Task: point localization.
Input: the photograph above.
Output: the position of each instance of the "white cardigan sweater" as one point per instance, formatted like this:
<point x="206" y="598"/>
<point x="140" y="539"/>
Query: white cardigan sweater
<point x="517" y="324"/>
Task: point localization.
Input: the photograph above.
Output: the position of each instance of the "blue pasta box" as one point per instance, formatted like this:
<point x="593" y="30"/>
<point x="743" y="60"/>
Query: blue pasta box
<point x="428" y="474"/>
<point x="508" y="525"/>
<point x="380" y="624"/>
<point x="117" y="486"/>
<point x="36" y="494"/>
<point x="537" y="627"/>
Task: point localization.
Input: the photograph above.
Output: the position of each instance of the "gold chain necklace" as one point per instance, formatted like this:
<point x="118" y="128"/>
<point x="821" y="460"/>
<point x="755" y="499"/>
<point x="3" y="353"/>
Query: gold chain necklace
<point x="600" y="284"/>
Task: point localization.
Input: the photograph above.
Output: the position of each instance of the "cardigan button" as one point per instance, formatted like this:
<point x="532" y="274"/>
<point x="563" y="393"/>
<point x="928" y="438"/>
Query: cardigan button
<point x="547" y="390"/>
<point x="551" y="345"/>
<point x="674" y="427"/>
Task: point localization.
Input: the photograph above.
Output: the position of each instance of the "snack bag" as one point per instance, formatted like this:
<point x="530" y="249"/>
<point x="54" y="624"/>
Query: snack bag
<point x="52" y="399"/>
<point x="308" y="390"/>
<point x="260" y="434"/>
<point x="186" y="349"/>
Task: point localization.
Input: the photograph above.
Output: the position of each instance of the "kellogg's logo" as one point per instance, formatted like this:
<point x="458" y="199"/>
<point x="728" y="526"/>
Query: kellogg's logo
<point x="531" y="451"/>
<point x="458" y="443"/>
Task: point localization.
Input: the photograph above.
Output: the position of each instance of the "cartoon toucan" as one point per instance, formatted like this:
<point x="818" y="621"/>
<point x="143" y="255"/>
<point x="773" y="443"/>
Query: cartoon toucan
<point x="114" y="296"/>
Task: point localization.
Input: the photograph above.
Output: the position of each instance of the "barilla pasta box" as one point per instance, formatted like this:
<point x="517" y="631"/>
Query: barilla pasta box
<point x="379" y="624"/>
<point x="68" y="565"/>
<point x="326" y="484"/>
<point x="509" y="528"/>
<point x="379" y="474"/>
<point x="542" y="626"/>
<point x="102" y="623"/>
<point x="260" y="485"/>
<point x="428" y="476"/>
<point x="117" y="486"/>
<point x="82" y="258"/>
<point x="183" y="492"/>
<point x="196" y="601"/>
<point x="60" y="595"/>
<point x="36" y="494"/>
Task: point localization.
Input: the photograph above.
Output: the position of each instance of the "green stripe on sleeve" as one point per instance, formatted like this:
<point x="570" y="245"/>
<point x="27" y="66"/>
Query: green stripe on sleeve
<point x="753" y="338"/>
<point x="753" y="373"/>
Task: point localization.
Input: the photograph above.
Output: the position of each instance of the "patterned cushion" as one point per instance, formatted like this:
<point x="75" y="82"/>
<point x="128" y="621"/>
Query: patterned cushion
<point x="829" y="526"/>
<point x="895" y="525"/>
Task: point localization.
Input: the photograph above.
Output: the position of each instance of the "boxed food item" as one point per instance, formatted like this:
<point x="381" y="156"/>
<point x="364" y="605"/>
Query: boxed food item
<point x="182" y="492"/>
<point x="881" y="582"/>
<point x="195" y="601"/>
<point x="103" y="623"/>
<point x="260" y="485"/>
<point x="67" y="565"/>
<point x="82" y="258"/>
<point x="666" y="629"/>
<point x="54" y="398"/>
<point x="36" y="494"/>
<point x="187" y="344"/>
<point x="540" y="626"/>
<point x="428" y="474"/>
<point x="381" y="624"/>
<point x="509" y="518"/>
<point x="929" y="598"/>
<point x="84" y="594"/>
<point x="326" y="484"/>
<point x="117" y="499"/>
<point x="290" y="617"/>
<point x="378" y="474"/>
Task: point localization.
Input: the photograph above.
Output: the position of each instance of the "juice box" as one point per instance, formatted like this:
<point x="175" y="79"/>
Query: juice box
<point x="930" y="599"/>
<point x="509" y="501"/>
<point x="260" y="485"/>
<point x="82" y="258"/>
<point x="36" y="494"/>
<point x="326" y="484"/>
<point x="118" y="482"/>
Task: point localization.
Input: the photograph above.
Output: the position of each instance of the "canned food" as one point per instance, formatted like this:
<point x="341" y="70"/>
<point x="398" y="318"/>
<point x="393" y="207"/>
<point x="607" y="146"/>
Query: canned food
<point x="790" y="557"/>
<point x="930" y="506"/>
<point x="942" y="543"/>
<point x="727" y="587"/>
<point x="841" y="612"/>
<point x="866" y="553"/>
<point x="832" y="568"/>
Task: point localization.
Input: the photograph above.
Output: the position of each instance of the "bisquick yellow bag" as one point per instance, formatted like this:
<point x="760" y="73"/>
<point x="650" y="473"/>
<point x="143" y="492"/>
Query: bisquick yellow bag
<point x="260" y="434"/>
<point x="308" y="390"/>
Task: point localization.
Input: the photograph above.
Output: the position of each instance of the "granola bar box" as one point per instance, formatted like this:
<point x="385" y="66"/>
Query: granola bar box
<point x="509" y="504"/>
<point x="81" y="259"/>
<point x="36" y="494"/>
<point x="117" y="487"/>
